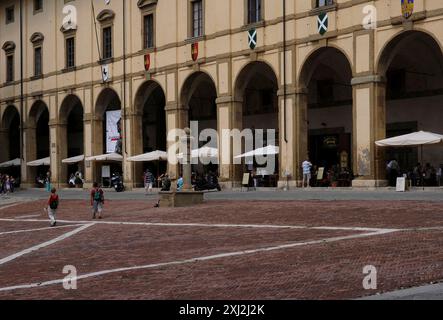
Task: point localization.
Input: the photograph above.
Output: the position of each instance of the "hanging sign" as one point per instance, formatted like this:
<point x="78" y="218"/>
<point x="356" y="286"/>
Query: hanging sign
<point x="147" y="62"/>
<point x="322" y="22"/>
<point x="252" y="38"/>
<point x="105" y="73"/>
<point x="194" y="51"/>
<point x="407" y="8"/>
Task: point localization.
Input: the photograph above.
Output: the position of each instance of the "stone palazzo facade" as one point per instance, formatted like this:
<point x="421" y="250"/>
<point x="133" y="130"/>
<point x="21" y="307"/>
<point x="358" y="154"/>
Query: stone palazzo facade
<point x="321" y="73"/>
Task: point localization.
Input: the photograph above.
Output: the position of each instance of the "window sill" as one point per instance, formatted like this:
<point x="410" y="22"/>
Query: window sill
<point x="71" y="69"/>
<point x="106" y="61"/>
<point x="195" y="39"/>
<point x="317" y="11"/>
<point x="258" y="24"/>
<point x="39" y="77"/>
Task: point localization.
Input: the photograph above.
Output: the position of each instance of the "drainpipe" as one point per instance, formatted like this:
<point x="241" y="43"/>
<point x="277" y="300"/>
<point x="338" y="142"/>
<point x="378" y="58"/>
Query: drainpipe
<point x="284" y="73"/>
<point x="124" y="75"/>
<point x="22" y="153"/>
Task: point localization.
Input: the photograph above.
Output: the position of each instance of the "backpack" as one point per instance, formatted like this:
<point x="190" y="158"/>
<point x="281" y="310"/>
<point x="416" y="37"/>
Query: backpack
<point x="53" y="204"/>
<point x="98" y="195"/>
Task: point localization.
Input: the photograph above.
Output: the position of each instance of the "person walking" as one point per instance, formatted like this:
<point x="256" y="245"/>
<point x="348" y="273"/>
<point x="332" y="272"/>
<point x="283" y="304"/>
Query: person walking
<point x="149" y="181"/>
<point x="97" y="201"/>
<point x="48" y="181"/>
<point x="307" y="166"/>
<point x="52" y="207"/>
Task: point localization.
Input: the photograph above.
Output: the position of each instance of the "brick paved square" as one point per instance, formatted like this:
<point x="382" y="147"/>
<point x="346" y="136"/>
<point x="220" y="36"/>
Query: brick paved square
<point x="220" y="250"/>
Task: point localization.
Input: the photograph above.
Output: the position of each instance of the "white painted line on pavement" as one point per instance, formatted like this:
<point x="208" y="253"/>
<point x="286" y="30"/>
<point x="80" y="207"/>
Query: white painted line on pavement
<point x="205" y="225"/>
<point x="194" y="260"/>
<point x="45" y="244"/>
<point x="40" y="229"/>
<point x="27" y="217"/>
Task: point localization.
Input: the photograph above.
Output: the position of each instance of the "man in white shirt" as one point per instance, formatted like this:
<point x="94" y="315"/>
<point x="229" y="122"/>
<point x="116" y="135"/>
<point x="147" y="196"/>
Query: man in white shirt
<point x="306" y="165"/>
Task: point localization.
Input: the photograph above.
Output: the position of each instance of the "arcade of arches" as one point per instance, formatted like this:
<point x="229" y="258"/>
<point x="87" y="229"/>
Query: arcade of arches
<point x="331" y="113"/>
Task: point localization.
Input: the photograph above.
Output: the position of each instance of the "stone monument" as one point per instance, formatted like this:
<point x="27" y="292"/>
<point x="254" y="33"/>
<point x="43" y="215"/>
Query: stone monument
<point x="187" y="196"/>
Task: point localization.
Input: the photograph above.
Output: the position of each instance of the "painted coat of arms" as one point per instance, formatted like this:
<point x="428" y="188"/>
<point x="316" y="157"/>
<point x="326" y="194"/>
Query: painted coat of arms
<point x="407" y="8"/>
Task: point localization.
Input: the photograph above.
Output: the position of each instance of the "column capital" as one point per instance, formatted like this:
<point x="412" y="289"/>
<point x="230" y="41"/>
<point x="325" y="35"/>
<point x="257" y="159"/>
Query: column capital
<point x="57" y="123"/>
<point x="174" y="106"/>
<point x="374" y="78"/>
<point x="227" y="99"/>
<point x="290" y="90"/>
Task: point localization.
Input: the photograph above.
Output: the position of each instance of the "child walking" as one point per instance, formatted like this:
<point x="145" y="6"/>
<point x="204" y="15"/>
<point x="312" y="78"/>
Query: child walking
<point x="52" y="207"/>
<point x="97" y="201"/>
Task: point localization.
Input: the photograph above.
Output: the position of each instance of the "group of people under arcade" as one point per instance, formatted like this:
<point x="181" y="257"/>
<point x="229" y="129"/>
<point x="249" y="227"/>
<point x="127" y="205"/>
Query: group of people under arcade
<point x="76" y="180"/>
<point x="325" y="177"/>
<point x="200" y="182"/>
<point x="419" y="175"/>
<point x="8" y="184"/>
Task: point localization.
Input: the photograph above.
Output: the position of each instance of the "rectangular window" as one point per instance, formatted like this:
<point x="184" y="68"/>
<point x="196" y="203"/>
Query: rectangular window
<point x="323" y="3"/>
<point x="148" y="31"/>
<point x="70" y="53"/>
<point x="10" y="68"/>
<point x="107" y="43"/>
<point x="197" y="18"/>
<point x="38" y="5"/>
<point x="9" y="14"/>
<point x="254" y="11"/>
<point x="38" y="61"/>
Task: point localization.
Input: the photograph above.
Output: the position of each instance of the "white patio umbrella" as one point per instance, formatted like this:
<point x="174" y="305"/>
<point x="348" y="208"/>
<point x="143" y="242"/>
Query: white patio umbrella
<point x="416" y="139"/>
<point x="72" y="160"/>
<point x="12" y="163"/>
<point x="40" y="162"/>
<point x="205" y="152"/>
<point x="151" y="156"/>
<point x="266" y="151"/>
<point x="106" y="157"/>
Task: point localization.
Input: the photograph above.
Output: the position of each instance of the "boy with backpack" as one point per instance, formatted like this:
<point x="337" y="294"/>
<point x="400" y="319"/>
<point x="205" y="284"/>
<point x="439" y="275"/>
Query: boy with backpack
<point x="97" y="201"/>
<point x="52" y="207"/>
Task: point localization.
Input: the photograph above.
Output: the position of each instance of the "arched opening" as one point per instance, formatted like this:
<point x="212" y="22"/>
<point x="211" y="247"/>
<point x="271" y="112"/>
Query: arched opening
<point x="72" y="137"/>
<point x="107" y="135"/>
<point x="257" y="88"/>
<point x="10" y="138"/>
<point x="150" y="122"/>
<point x="38" y="140"/>
<point x="413" y="66"/>
<point x="327" y="75"/>
<point x="199" y="96"/>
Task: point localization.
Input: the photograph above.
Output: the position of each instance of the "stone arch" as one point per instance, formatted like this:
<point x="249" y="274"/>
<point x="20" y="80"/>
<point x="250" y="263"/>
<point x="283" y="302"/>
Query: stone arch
<point x="108" y="99"/>
<point x="10" y="134"/>
<point x="149" y="127"/>
<point x="411" y="67"/>
<point x="247" y="72"/>
<point x="143" y="93"/>
<point x="324" y="83"/>
<point x="317" y="54"/>
<point x="399" y="41"/>
<point x="191" y="84"/>
<point x="70" y="135"/>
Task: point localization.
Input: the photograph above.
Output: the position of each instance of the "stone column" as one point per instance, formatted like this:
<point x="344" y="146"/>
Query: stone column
<point x="93" y="147"/>
<point x="136" y="133"/>
<point x="176" y="118"/>
<point x="229" y="117"/>
<point x="127" y="148"/>
<point x="88" y="145"/>
<point x="187" y="166"/>
<point x="58" y="151"/>
<point x="369" y="114"/>
<point x="30" y="154"/>
<point x="293" y="149"/>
